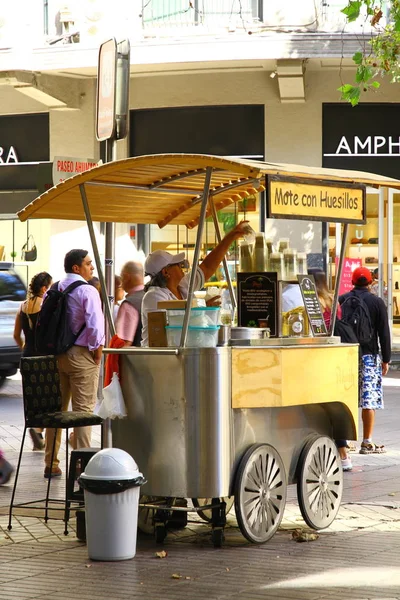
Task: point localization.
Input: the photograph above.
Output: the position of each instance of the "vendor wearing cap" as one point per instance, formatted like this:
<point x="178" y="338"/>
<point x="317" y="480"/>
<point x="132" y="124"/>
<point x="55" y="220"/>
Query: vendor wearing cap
<point x="169" y="282"/>
<point x="372" y="367"/>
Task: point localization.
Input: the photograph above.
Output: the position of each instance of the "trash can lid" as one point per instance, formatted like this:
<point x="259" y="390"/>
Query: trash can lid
<point x="111" y="464"/>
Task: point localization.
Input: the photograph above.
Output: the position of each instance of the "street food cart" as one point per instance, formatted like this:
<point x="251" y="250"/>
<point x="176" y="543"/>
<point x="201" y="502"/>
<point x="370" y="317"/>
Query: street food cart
<point x="237" y="423"/>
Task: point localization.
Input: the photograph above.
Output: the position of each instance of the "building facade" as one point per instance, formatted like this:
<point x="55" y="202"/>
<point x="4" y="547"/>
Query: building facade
<point x="249" y="78"/>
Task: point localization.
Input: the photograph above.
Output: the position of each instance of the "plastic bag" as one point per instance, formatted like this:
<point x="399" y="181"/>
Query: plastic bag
<point x="113" y="405"/>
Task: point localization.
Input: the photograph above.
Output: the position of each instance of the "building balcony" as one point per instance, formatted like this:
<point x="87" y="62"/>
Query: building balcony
<point x="181" y="32"/>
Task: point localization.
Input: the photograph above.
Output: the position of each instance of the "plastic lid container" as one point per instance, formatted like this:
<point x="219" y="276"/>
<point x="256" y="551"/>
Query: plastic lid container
<point x="111" y="464"/>
<point x="200" y="316"/>
<point x="197" y="337"/>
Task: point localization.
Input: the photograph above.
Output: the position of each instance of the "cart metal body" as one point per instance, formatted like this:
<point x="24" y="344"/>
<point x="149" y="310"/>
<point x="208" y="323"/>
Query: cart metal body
<point x="241" y="421"/>
<point x="192" y="415"/>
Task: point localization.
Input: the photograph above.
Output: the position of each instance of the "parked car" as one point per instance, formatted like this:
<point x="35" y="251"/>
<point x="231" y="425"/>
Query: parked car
<point x="12" y="293"/>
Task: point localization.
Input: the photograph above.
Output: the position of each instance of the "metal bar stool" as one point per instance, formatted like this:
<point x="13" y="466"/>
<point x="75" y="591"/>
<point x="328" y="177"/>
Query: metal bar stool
<point x="42" y="408"/>
<point x="78" y="461"/>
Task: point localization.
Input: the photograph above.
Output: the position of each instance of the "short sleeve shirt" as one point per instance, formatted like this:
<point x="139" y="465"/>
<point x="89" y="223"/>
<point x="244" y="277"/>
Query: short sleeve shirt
<point x="158" y="294"/>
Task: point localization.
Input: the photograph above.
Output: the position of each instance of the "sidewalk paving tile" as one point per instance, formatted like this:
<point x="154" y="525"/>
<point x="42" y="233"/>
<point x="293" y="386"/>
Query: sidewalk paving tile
<point x="357" y="558"/>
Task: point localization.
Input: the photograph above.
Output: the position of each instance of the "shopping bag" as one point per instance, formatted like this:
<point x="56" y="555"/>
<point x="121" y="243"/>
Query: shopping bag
<point x="29" y="250"/>
<point x="113" y="405"/>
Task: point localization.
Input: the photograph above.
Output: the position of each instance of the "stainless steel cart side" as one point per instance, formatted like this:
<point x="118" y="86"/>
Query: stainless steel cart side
<point x="192" y="415"/>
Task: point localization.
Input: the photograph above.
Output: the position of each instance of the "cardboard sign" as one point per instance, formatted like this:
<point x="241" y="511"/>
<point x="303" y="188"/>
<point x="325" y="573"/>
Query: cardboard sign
<point x="294" y="198"/>
<point x="258" y="300"/>
<point x="157" y="335"/>
<point x="349" y="265"/>
<point x="312" y="305"/>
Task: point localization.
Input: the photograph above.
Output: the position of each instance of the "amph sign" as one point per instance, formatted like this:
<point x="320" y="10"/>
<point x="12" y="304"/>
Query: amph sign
<point x="370" y="145"/>
<point x="364" y="138"/>
<point x="8" y="155"/>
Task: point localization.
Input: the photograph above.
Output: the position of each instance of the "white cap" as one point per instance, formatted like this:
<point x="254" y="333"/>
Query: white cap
<point x="157" y="260"/>
<point x="111" y="464"/>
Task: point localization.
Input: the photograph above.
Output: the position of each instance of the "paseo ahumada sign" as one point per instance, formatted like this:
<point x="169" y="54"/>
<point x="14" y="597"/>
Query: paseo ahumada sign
<point x="312" y="200"/>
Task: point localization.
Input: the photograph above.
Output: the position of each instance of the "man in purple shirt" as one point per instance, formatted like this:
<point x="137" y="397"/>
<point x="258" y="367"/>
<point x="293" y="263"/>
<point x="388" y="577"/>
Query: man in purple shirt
<point x="79" y="366"/>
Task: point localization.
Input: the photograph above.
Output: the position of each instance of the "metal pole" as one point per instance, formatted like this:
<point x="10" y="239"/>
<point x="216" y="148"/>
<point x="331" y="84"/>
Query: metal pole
<point x="224" y="261"/>
<point x="390" y="259"/>
<point x="338" y="278"/>
<point x="381" y="239"/>
<point x="109" y="258"/>
<point x="196" y="257"/>
<point x="97" y="258"/>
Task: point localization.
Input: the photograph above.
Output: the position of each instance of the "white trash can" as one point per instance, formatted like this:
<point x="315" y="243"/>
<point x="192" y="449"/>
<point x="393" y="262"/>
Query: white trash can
<point x="111" y="482"/>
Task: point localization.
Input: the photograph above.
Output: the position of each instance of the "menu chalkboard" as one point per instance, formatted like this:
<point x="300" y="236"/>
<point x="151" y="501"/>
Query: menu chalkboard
<point x="258" y="301"/>
<point x="312" y="305"/>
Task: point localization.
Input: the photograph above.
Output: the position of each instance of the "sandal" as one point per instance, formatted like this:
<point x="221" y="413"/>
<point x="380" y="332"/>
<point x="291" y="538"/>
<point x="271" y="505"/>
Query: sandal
<point x="351" y="447"/>
<point x="371" y="448"/>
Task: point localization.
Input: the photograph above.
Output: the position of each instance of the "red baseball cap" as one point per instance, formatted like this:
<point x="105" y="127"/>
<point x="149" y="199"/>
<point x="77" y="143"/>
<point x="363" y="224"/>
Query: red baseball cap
<point x="361" y="276"/>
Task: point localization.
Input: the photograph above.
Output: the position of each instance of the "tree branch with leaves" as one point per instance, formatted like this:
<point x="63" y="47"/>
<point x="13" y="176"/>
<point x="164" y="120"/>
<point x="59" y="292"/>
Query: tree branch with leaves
<point x="380" y="56"/>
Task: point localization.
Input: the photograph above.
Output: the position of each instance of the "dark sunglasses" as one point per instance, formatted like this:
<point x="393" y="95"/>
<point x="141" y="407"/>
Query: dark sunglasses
<point x="183" y="265"/>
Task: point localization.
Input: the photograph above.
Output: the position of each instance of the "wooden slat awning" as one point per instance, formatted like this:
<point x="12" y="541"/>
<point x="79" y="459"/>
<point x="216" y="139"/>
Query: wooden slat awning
<point x="166" y="189"/>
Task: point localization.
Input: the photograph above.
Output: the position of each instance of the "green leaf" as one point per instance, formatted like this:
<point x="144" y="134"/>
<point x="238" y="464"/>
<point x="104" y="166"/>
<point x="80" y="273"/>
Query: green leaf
<point x="345" y="89"/>
<point x="350" y="93"/>
<point x="352" y="10"/>
<point x="363" y="74"/>
<point x="354" y="97"/>
<point x="375" y="84"/>
<point x="357" y="58"/>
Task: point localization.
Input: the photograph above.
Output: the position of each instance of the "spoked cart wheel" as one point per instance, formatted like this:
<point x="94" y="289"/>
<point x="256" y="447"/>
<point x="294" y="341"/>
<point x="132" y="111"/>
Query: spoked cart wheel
<point x="260" y="493"/>
<point x="320" y="482"/>
<point x="206" y="514"/>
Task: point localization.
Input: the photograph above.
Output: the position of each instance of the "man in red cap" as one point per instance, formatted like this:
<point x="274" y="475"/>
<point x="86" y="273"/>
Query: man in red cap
<point x="370" y="310"/>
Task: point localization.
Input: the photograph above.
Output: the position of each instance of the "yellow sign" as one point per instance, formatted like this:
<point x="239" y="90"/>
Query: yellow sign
<point x="317" y="201"/>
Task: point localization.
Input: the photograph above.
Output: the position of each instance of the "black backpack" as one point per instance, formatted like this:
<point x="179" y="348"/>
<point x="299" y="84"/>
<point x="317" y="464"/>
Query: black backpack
<point x="53" y="333"/>
<point x="355" y="313"/>
<point x="345" y="332"/>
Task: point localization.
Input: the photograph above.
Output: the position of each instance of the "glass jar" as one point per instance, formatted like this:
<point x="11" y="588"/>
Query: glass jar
<point x="249" y="235"/>
<point x="268" y="251"/>
<point x="260" y="251"/>
<point x="283" y="244"/>
<point x="302" y="263"/>
<point x="296" y="324"/>
<point x="270" y="247"/>
<point x="276" y="264"/>
<point x="225" y="316"/>
<point x="245" y="257"/>
<point x="290" y="260"/>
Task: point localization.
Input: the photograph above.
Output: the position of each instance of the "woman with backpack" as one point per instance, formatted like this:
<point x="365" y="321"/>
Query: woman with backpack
<point x="25" y="323"/>
<point x="325" y="298"/>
